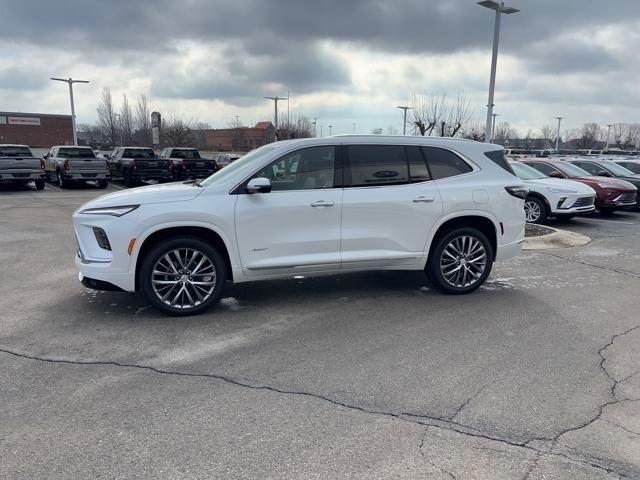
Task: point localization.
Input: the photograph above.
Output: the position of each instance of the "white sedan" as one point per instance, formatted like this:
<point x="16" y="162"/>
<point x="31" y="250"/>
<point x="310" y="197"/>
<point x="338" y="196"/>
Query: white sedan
<point x="553" y="197"/>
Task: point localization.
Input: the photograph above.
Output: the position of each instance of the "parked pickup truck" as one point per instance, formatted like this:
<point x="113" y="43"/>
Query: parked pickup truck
<point x="134" y="164"/>
<point x="18" y="165"/>
<point x="186" y="163"/>
<point x="68" y="164"/>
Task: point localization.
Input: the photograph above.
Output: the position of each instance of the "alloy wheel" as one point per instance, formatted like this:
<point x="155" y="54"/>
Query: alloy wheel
<point x="463" y="261"/>
<point x="183" y="278"/>
<point x="532" y="211"/>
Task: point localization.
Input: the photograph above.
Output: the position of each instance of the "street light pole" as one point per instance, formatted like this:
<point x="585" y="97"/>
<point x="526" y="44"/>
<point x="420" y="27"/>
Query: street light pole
<point x="608" y="132"/>
<point x="493" y="125"/>
<point x="330" y="127"/>
<point x="71" y="81"/>
<point x="404" y="124"/>
<point x="558" y="134"/>
<point x="499" y="9"/>
<point x="315" y="126"/>
<point x="276" y="99"/>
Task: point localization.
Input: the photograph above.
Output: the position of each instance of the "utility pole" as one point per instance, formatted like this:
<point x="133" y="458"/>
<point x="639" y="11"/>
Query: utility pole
<point x="119" y="125"/>
<point x="276" y="99"/>
<point x="493" y="125"/>
<point x="558" y="134"/>
<point x="71" y="81"/>
<point x="354" y="128"/>
<point x="499" y="9"/>
<point x="315" y="126"/>
<point x="330" y="127"/>
<point x="404" y="123"/>
<point x="608" y="132"/>
<point x="288" y="109"/>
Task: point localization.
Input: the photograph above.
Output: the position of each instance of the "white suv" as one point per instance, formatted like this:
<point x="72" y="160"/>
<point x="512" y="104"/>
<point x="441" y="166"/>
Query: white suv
<point x="308" y="207"/>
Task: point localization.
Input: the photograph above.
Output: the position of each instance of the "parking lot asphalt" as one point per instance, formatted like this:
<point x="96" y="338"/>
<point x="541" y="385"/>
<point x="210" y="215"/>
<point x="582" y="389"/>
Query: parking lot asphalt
<point x="536" y="375"/>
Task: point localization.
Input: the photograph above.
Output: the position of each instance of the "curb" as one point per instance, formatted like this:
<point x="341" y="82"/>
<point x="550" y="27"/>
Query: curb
<point x="556" y="239"/>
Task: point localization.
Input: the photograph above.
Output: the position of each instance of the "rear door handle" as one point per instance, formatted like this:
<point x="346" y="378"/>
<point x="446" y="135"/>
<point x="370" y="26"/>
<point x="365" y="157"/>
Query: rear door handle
<point x="423" y="199"/>
<point x="322" y="203"/>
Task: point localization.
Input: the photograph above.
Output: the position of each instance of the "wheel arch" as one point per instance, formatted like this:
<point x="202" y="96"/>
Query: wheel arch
<point x="479" y="221"/>
<point x="204" y="232"/>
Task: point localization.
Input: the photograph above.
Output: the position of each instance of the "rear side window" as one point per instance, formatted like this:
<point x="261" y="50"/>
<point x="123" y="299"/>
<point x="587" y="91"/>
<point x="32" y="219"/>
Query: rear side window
<point x="444" y="163"/>
<point x="377" y="165"/>
<point x="418" y="171"/>
<point x="497" y="157"/>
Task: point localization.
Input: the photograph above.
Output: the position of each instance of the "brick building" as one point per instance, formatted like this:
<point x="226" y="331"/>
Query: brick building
<point x="39" y="130"/>
<point x="240" y="139"/>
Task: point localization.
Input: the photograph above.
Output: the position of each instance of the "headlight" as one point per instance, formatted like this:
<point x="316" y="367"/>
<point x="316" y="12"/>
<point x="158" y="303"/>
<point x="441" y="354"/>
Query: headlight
<point x="113" y="211"/>
<point x="560" y="190"/>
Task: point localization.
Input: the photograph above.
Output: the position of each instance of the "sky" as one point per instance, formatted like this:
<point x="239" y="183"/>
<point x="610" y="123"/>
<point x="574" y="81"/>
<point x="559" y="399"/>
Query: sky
<point x="345" y="62"/>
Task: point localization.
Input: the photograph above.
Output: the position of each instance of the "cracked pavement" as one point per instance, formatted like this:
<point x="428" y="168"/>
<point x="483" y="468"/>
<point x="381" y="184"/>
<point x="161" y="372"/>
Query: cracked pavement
<point x="535" y="376"/>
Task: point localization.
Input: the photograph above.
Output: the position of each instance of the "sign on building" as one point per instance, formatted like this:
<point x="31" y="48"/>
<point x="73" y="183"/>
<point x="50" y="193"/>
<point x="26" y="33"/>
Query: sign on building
<point x="24" y="121"/>
<point x="3" y="120"/>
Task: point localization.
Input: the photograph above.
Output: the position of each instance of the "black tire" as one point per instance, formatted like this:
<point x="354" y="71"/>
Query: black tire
<point x="607" y="210"/>
<point x="565" y="217"/>
<point x="62" y="183"/>
<point x="103" y="183"/>
<point x="128" y="181"/>
<point x="541" y="217"/>
<point x="39" y="184"/>
<point x="177" y="176"/>
<point x="434" y="270"/>
<point x="168" y="245"/>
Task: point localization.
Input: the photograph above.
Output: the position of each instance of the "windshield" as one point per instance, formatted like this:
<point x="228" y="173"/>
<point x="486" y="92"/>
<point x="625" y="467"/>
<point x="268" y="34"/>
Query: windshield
<point x="244" y="165"/>
<point x="525" y="172"/>
<point x="617" y="170"/>
<point x="76" y="153"/>
<point x="17" y="151"/>
<point x="571" y="170"/>
<point x="138" y="153"/>
<point x="188" y="154"/>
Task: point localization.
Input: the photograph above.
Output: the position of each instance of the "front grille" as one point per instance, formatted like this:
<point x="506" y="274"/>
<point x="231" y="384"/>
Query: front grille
<point x="583" y="202"/>
<point x="628" y="197"/>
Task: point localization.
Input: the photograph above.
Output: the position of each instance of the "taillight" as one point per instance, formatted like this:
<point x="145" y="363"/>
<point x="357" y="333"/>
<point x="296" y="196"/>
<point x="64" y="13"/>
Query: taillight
<point x="66" y="164"/>
<point x="41" y="164"/>
<point x="133" y="164"/>
<point x="518" y="192"/>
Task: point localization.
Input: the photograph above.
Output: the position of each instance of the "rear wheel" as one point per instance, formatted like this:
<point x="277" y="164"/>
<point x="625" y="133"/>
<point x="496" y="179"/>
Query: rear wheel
<point x="39" y="184"/>
<point x="62" y="183"/>
<point x="183" y="276"/>
<point x="103" y="183"/>
<point x="535" y="210"/>
<point x="460" y="261"/>
<point x="128" y="181"/>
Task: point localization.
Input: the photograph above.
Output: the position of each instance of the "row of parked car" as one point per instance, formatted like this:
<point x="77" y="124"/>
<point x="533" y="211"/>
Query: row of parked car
<point x="563" y="187"/>
<point x="68" y="165"/>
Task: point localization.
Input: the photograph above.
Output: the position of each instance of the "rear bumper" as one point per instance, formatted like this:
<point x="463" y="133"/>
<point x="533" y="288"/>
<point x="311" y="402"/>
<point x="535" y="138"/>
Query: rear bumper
<point x="86" y="176"/>
<point x="509" y="250"/>
<point x="21" y="176"/>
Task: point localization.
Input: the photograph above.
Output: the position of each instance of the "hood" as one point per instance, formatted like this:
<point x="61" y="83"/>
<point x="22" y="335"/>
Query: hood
<point x="168" y="192"/>
<point x="562" y="183"/>
<point x="606" y="182"/>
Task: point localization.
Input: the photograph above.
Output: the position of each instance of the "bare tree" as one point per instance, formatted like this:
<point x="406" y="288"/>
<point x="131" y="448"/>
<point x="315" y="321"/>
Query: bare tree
<point x="107" y="117"/>
<point x="547" y="132"/>
<point x="126" y="121"/>
<point x="427" y="111"/>
<point x="143" y="122"/>
<point x="297" y="127"/>
<point x="376" y="131"/>
<point x="589" y="135"/>
<point x="503" y="132"/>
<point x="473" y="130"/>
<point x="457" y="115"/>
<point x="90" y="134"/>
<point x="177" y="132"/>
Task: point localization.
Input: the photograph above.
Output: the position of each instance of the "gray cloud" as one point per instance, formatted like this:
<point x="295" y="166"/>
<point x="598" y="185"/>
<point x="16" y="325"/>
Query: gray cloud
<point x="22" y="78"/>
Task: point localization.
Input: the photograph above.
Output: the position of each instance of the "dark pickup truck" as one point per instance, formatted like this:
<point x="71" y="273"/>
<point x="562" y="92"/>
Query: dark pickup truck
<point x="186" y="163"/>
<point x="18" y="165"/>
<point x="134" y="164"/>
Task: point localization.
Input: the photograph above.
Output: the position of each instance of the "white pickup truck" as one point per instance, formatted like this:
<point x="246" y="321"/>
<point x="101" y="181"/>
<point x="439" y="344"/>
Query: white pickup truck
<point x="69" y="164"/>
<point x="18" y="165"/>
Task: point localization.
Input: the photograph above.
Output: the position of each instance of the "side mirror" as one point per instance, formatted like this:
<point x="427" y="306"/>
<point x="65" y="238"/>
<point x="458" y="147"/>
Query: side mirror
<point x="603" y="173"/>
<point x="258" y="185"/>
<point x="45" y="156"/>
<point x="556" y="175"/>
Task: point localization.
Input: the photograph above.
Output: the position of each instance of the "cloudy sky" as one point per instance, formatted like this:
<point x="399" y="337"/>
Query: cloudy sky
<point x="344" y="61"/>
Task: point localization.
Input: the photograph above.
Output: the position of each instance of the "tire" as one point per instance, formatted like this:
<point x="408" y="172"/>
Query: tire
<point x="565" y="217"/>
<point x="607" y="210"/>
<point x="103" y="183"/>
<point x="39" y="184"/>
<point x="161" y="296"/>
<point x="177" y="176"/>
<point x="128" y="181"/>
<point x="535" y="210"/>
<point x="62" y="183"/>
<point x="444" y="263"/>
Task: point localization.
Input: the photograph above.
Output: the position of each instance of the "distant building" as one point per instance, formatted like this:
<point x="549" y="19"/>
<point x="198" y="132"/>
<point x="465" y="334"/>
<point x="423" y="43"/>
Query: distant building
<point x="39" y="130"/>
<point x="240" y="139"/>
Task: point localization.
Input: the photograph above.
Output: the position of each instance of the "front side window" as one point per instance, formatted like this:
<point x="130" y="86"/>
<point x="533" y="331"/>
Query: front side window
<point x="592" y="168"/>
<point x="571" y="170"/>
<point x="373" y="165"/>
<point x="305" y="169"/>
<point x="444" y="163"/>
<point x="542" y="167"/>
<point x="632" y="167"/>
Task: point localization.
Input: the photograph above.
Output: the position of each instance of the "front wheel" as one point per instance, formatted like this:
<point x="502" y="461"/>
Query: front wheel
<point x="460" y="261"/>
<point x="183" y="276"/>
<point x="535" y="210"/>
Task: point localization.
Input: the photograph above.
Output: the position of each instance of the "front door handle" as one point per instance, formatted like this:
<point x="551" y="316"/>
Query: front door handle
<point x="423" y="199"/>
<point x="322" y="203"/>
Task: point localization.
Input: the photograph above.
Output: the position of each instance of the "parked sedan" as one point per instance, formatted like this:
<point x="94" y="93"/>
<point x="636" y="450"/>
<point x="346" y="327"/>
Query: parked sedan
<point x="611" y="193"/>
<point x="555" y="197"/>
<point x="607" y="168"/>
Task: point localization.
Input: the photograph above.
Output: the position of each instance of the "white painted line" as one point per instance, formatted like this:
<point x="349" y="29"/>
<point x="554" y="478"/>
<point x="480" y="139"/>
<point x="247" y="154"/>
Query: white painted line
<point x="611" y="221"/>
<point x="117" y="186"/>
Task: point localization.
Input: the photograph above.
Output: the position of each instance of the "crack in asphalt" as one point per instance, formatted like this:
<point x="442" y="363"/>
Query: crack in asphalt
<point x="582" y="262"/>
<point x="424" y="436"/>
<point x="444" y="423"/>
<point x="464" y="404"/>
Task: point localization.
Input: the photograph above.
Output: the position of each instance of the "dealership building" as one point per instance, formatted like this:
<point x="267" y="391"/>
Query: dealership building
<point x="38" y="130"/>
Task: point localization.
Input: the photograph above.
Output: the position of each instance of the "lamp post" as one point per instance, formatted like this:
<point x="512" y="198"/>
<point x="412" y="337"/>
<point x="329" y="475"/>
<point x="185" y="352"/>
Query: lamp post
<point x="558" y="134"/>
<point x="499" y="9"/>
<point x="404" y="123"/>
<point x="608" y="133"/>
<point x="493" y="125"/>
<point x="330" y="127"/>
<point x="71" y="81"/>
<point x="276" y="99"/>
<point x="315" y="126"/>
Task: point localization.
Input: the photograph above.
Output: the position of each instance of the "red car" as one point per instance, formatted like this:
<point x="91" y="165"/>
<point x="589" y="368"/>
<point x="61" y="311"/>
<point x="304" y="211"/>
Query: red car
<point x="611" y="194"/>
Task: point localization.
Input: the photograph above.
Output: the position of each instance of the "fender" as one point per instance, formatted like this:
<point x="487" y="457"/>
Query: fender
<point x="456" y="214"/>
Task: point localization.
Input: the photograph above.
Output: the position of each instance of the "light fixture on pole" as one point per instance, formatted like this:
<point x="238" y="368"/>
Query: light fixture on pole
<point x="330" y="127"/>
<point x="276" y="99"/>
<point x="558" y="134"/>
<point x="71" y="81"/>
<point x="404" y="123"/>
<point x="608" y="132"/>
<point x="499" y="9"/>
<point x="493" y="125"/>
